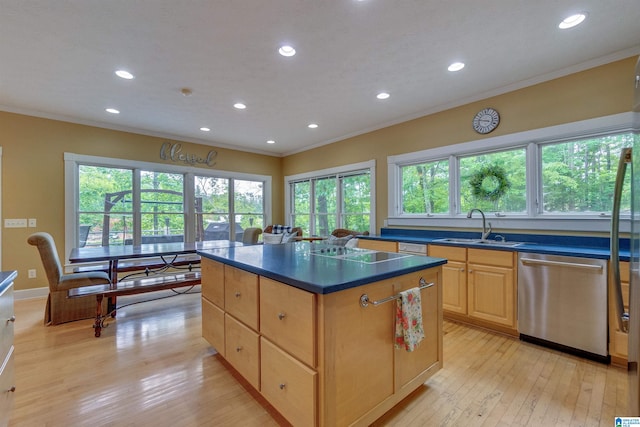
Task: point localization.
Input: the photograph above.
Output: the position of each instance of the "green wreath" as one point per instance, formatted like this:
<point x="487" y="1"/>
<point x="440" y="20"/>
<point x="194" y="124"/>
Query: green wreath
<point x="489" y="183"/>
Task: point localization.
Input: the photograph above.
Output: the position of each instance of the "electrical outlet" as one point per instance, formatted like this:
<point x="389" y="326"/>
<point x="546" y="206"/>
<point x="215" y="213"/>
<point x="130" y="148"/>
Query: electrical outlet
<point x="31" y="273"/>
<point x="15" y="223"/>
<point x="32" y="222"/>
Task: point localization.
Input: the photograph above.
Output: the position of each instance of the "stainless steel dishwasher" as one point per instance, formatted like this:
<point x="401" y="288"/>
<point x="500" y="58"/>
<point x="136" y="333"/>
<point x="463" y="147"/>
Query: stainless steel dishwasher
<point x="562" y="303"/>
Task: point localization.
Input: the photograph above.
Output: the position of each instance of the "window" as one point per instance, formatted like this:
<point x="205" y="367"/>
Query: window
<point x="512" y="163"/>
<point x="579" y="176"/>
<point x="425" y="188"/>
<point x="117" y="202"/>
<point x="321" y="201"/>
<point x="556" y="178"/>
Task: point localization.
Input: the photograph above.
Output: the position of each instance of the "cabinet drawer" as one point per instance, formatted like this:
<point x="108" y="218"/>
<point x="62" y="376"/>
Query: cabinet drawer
<point x="453" y="253"/>
<point x="213" y="326"/>
<point x="213" y="281"/>
<point x="288" y="318"/>
<point x="489" y="257"/>
<point x="6" y="325"/>
<point x="378" y="245"/>
<point x="288" y="385"/>
<point x="7" y="382"/>
<point x="242" y="350"/>
<point x="241" y="295"/>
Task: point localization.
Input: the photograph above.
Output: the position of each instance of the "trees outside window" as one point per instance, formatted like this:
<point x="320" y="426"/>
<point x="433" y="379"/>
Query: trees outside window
<point x="117" y="205"/>
<point x="556" y="178"/>
<point x="322" y="203"/>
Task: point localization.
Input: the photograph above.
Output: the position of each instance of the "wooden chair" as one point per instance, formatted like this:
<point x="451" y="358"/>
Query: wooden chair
<point x="61" y="309"/>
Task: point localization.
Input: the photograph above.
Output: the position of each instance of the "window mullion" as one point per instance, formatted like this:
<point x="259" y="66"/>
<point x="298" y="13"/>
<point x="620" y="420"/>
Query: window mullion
<point x="136" y="207"/>
<point x="454" y="186"/>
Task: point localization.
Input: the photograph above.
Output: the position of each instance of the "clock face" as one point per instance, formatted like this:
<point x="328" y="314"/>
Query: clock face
<point x="486" y="120"/>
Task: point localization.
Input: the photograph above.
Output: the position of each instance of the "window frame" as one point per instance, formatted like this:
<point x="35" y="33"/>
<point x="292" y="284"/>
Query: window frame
<point x="71" y="198"/>
<point x="339" y="170"/>
<point x="533" y="140"/>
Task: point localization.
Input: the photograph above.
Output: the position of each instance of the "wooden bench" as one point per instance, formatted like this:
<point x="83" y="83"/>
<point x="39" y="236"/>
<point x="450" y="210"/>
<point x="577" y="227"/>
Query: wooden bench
<point x="133" y="286"/>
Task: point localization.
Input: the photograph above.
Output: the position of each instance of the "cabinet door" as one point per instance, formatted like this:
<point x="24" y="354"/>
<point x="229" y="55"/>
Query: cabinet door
<point x="491" y="294"/>
<point x="378" y="245"/>
<point x="454" y="287"/>
<point x="241" y="295"/>
<point x="213" y="281"/>
<point x="619" y="346"/>
<point x="7" y="383"/>
<point x="409" y="365"/>
<point x="213" y="325"/>
<point x="288" y="318"/>
<point x="290" y="386"/>
<point x="358" y="355"/>
<point x="242" y="349"/>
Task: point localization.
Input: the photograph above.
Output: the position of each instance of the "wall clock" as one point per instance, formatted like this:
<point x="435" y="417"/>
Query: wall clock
<point x="486" y="120"/>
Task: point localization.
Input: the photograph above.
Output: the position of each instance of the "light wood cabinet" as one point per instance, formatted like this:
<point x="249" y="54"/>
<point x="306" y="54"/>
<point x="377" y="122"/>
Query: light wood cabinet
<point x="323" y="359"/>
<point x="241" y="295"/>
<point x="242" y="350"/>
<point x="454" y="277"/>
<point x="290" y="386"/>
<point x="288" y="318"/>
<point x="7" y="378"/>
<point x="618" y="340"/>
<point x="479" y="286"/>
<point x="378" y="245"/>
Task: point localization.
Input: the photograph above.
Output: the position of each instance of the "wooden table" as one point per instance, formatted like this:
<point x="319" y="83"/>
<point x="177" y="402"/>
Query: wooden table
<point x="167" y="252"/>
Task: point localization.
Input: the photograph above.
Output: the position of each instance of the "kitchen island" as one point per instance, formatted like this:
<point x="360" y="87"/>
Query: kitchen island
<point x="311" y="327"/>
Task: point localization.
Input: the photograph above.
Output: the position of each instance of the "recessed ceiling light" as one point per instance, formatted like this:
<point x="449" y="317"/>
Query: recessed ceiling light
<point x="205" y="129"/>
<point x="286" y="50"/>
<point x="239" y="106"/>
<point x="112" y="111"/>
<point x="124" y="74"/>
<point x="572" y="21"/>
<point x="382" y="95"/>
<point x="271" y="141"/>
<point x="456" y="66"/>
<point x="312" y="125"/>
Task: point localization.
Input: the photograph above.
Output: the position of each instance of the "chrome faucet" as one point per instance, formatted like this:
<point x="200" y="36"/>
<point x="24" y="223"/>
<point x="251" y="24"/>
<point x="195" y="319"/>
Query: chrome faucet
<point x="485" y="231"/>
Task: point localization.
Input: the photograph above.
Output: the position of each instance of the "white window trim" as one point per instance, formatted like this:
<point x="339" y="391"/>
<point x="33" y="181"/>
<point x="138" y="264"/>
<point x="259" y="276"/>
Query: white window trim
<point x="532" y="219"/>
<point x="71" y="161"/>
<point x="371" y="165"/>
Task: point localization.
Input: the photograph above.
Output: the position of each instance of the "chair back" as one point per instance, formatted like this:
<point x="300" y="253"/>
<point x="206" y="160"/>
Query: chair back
<point x="250" y="236"/>
<point x="343" y="232"/>
<point x="49" y="255"/>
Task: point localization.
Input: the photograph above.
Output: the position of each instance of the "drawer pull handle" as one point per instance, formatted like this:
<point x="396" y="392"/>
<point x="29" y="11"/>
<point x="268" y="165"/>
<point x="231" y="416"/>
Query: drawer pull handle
<point x="237" y="294"/>
<point x="238" y="349"/>
<point x="282" y="386"/>
<point x="11" y="319"/>
<point x="12" y="389"/>
<point x="281" y="316"/>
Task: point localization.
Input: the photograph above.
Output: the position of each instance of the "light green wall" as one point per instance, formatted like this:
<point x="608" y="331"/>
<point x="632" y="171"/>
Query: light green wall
<point x="33" y="150"/>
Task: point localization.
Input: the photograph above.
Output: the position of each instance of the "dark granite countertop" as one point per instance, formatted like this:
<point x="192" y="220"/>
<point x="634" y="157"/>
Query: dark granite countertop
<point x="304" y="266"/>
<point x="578" y="246"/>
<point x="6" y="278"/>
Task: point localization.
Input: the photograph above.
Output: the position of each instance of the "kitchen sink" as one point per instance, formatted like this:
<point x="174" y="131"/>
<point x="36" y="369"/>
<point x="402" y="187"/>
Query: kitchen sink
<point x="479" y="242"/>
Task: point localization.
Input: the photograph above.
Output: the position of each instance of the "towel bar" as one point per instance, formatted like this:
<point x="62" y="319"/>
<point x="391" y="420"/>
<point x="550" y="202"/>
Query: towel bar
<point x="364" y="298"/>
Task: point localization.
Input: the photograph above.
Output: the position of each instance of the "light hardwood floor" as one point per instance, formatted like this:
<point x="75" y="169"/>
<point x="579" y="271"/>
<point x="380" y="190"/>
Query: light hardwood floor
<point x="152" y="368"/>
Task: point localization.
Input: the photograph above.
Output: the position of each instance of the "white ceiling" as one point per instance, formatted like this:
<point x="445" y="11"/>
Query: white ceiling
<point x="58" y="57"/>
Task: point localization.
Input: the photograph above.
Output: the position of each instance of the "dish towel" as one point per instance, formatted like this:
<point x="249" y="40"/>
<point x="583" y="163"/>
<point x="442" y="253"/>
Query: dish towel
<point x="409" y="330"/>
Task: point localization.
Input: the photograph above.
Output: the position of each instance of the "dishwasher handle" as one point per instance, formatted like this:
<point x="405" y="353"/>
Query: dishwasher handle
<point x="546" y="262"/>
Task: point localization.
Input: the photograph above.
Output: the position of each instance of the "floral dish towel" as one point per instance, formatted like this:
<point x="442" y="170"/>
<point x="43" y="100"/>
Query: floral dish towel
<point x="409" y="330"/>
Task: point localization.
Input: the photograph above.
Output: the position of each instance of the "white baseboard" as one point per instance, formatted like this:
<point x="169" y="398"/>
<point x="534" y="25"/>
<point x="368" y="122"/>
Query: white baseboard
<point x="31" y="293"/>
